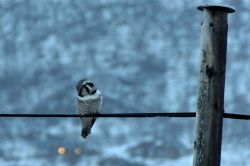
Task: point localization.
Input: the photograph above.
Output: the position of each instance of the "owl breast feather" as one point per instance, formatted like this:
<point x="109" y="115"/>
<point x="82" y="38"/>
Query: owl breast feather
<point x="89" y="106"/>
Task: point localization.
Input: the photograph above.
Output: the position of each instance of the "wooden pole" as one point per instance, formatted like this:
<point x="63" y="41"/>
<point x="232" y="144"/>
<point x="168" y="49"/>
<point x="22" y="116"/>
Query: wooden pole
<point x="210" y="102"/>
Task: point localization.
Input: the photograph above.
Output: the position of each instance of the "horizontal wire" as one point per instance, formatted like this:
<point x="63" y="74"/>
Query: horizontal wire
<point x="124" y="115"/>
<point x="106" y="115"/>
<point x="236" y="116"/>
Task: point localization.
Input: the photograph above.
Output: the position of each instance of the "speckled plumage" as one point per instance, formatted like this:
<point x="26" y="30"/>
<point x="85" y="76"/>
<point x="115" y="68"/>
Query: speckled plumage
<point x="88" y="104"/>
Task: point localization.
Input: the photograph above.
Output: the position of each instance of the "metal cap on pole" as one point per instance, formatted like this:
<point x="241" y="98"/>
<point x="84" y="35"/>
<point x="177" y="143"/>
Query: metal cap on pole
<point x="226" y="8"/>
<point x="210" y="101"/>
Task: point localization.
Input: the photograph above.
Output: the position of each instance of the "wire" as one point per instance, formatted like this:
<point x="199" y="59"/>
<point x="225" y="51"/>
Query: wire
<point x="236" y="116"/>
<point x="106" y="115"/>
<point x="124" y="115"/>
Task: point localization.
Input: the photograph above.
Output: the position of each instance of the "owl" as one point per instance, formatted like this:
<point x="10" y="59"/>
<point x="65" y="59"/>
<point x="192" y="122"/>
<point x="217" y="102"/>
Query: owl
<point x="89" y="101"/>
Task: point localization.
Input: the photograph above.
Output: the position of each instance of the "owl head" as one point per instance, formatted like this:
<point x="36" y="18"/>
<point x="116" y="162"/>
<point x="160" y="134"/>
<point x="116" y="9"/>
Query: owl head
<point x="85" y="87"/>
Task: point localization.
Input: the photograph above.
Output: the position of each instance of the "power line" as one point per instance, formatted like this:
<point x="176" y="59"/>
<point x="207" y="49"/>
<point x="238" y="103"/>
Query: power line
<point x="106" y="115"/>
<point x="236" y="116"/>
<point x="124" y="115"/>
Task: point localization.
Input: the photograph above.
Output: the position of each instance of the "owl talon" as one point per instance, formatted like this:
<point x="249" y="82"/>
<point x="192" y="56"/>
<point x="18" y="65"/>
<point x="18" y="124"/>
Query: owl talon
<point x="81" y="115"/>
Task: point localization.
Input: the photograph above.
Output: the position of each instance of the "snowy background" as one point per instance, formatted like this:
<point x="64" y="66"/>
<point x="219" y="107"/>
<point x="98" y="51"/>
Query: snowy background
<point x="143" y="55"/>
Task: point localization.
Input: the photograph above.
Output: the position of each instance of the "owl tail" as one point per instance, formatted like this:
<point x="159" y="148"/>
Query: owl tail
<point x="87" y="124"/>
<point x="85" y="132"/>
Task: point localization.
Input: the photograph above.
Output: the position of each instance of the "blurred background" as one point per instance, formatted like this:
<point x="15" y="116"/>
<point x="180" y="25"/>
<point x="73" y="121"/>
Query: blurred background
<point x="143" y="55"/>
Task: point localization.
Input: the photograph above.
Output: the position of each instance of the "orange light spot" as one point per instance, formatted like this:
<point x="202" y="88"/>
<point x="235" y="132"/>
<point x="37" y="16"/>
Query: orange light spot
<point x="61" y="150"/>
<point x="77" y="151"/>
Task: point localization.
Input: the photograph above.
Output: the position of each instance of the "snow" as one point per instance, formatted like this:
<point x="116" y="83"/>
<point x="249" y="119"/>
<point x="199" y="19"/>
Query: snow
<point x="143" y="55"/>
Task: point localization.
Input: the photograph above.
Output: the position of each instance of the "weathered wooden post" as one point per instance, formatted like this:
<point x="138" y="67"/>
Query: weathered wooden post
<point x="210" y="102"/>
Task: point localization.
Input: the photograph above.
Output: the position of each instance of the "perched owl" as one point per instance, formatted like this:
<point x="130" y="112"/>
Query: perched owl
<point x="89" y="101"/>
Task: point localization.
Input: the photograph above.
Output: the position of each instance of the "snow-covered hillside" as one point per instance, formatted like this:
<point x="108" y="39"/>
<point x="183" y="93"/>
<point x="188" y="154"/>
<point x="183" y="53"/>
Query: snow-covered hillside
<point x="143" y="55"/>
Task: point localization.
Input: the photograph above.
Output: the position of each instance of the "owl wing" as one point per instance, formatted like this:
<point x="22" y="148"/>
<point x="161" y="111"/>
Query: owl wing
<point x="94" y="108"/>
<point x="93" y="122"/>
